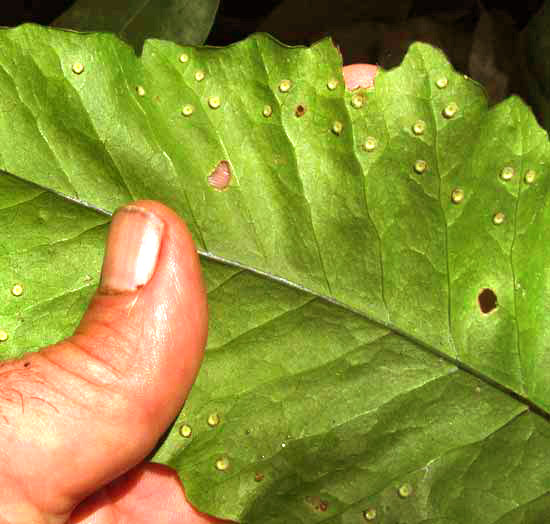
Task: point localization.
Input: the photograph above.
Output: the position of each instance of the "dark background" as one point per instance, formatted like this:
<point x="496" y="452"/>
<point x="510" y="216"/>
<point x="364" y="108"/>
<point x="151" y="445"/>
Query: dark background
<point x="481" y="38"/>
<point x="236" y="18"/>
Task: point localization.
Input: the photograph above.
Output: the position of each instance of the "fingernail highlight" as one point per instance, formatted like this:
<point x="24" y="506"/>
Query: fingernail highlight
<point x="133" y="246"/>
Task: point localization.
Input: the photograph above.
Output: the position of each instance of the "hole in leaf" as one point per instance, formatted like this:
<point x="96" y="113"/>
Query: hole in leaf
<point x="317" y="504"/>
<point x="258" y="477"/>
<point x="300" y="110"/>
<point x="487" y="300"/>
<point x="221" y="176"/>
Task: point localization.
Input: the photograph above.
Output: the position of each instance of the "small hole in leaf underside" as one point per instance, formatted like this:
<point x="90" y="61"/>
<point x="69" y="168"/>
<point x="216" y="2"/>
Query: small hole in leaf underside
<point x="258" y="477"/>
<point x="221" y="176"/>
<point x="317" y="504"/>
<point x="487" y="300"/>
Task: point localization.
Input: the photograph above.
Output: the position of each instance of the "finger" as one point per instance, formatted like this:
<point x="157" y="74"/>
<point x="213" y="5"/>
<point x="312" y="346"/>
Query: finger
<point x="359" y="75"/>
<point x="91" y="407"/>
<point x="148" y="493"/>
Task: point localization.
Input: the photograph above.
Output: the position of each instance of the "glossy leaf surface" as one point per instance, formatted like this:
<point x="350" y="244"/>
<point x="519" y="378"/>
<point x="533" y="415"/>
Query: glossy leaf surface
<point x="349" y="354"/>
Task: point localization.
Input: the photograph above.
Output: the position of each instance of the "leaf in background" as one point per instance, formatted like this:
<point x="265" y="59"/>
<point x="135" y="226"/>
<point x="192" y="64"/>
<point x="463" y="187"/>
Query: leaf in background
<point x="349" y="361"/>
<point x="297" y="21"/>
<point x="186" y="22"/>
<point x="378" y="32"/>
<point x="536" y="63"/>
<point x="493" y="59"/>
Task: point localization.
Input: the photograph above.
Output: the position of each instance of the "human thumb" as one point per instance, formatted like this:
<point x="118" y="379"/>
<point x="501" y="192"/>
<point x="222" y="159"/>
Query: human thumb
<point x="80" y="413"/>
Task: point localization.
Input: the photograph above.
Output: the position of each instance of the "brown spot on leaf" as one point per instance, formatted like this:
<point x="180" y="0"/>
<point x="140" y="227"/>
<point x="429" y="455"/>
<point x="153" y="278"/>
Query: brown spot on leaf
<point x="317" y="504"/>
<point x="221" y="176"/>
<point x="258" y="477"/>
<point x="487" y="301"/>
<point x="300" y="110"/>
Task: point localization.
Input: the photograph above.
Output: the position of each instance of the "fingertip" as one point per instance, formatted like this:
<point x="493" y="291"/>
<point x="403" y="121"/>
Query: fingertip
<point x="145" y="344"/>
<point x="179" y="265"/>
<point x="168" y="317"/>
<point x="359" y="75"/>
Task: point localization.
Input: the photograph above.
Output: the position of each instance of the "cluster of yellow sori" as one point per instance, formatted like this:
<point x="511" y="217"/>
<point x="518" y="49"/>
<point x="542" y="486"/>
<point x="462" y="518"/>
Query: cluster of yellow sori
<point x="285" y="85"/>
<point x="421" y="166"/>
<point x="213" y="420"/>
<point x="223" y="464"/>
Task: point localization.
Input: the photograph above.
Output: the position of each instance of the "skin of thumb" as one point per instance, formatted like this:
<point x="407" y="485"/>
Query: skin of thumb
<point x="359" y="76"/>
<point x="93" y="406"/>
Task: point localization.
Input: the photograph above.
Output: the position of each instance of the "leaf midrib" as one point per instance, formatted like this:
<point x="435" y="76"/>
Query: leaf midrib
<point x="331" y="300"/>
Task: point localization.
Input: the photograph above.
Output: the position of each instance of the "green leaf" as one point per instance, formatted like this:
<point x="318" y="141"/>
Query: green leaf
<point x="348" y="355"/>
<point x="186" y="22"/>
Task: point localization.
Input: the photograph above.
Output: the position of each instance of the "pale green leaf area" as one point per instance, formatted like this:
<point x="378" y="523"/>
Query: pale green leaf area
<point x="348" y="360"/>
<point x="186" y="22"/>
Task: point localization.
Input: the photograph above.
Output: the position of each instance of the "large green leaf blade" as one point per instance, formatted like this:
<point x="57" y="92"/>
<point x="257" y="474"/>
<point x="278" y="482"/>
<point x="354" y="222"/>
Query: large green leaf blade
<point x="186" y="22"/>
<point x="323" y="413"/>
<point x="345" y="271"/>
<point x="364" y="413"/>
